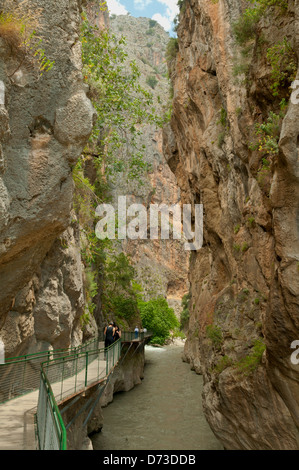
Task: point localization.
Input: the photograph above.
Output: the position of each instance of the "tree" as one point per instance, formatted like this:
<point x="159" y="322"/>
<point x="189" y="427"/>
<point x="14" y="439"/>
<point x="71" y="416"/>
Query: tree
<point x="122" y="105"/>
<point x="119" y="291"/>
<point x="159" y="318"/>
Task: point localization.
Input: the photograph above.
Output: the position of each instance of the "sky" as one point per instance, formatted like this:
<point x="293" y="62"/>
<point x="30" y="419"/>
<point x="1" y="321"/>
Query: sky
<point x="163" y="11"/>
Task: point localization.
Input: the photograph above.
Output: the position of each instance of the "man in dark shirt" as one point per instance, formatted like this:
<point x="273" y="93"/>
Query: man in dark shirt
<point x="109" y="333"/>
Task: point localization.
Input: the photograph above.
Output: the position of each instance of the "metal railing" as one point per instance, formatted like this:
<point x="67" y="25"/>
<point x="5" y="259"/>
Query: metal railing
<point x="132" y="335"/>
<point x="65" y="377"/>
<point x="59" y="374"/>
<point x="20" y="375"/>
<point x="50" y="426"/>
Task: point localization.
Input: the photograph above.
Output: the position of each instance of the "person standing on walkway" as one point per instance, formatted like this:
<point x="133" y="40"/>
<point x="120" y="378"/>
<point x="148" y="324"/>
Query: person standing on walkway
<point x="117" y="334"/>
<point x="109" y="334"/>
<point x="136" y="332"/>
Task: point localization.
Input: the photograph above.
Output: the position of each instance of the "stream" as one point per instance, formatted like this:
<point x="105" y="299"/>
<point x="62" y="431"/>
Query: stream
<point x="164" y="412"/>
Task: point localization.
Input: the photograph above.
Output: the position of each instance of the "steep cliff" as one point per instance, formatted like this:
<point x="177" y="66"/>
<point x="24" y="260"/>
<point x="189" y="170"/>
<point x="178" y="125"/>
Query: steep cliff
<point x="46" y="120"/>
<point x="244" y="309"/>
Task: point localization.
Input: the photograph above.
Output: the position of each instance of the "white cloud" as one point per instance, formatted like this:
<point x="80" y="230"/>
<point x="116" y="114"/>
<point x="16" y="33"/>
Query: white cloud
<point x="141" y="4"/>
<point x="116" y="8"/>
<point x="172" y="8"/>
<point x="163" y="21"/>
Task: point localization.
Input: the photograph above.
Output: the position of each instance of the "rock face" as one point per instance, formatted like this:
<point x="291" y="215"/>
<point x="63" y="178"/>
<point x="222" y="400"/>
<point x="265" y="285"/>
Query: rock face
<point x="244" y="280"/>
<point x="45" y="122"/>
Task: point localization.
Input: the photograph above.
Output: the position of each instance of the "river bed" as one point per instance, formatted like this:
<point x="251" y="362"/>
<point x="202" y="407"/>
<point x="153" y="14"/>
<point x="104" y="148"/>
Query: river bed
<point x="164" y="412"/>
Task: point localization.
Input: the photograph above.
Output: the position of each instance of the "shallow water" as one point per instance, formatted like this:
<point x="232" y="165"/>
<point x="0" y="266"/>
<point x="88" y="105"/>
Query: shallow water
<point x="162" y="413"/>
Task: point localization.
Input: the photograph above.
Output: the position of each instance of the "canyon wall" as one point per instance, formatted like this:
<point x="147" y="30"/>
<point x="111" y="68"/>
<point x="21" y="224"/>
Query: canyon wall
<point x="244" y="280"/>
<point x="46" y="120"/>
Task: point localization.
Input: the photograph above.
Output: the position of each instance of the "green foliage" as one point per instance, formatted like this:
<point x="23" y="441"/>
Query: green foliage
<point x="119" y="272"/>
<point x="86" y="197"/>
<point x="237" y="228"/>
<point x="151" y="81"/>
<point x="245" y="29"/>
<point x="265" y="4"/>
<point x="122" y="105"/>
<point x="264" y="176"/>
<point x="171" y="50"/>
<point x="281" y="56"/>
<point x="181" y="3"/>
<point x="249" y="364"/>
<point x="223" y="117"/>
<point x="150" y="32"/>
<point x="152" y="23"/>
<point x="224" y="123"/>
<point x="268" y="135"/>
<point x="177" y="333"/>
<point x="251" y="221"/>
<point x="240" y="69"/>
<point x="185" y="313"/>
<point x="221" y="139"/>
<point x="222" y="364"/>
<point x="92" y="249"/>
<point x="214" y="333"/>
<point x="159" y="318"/>
<point x="244" y="247"/>
<point x="283" y="61"/>
<point x="119" y="292"/>
<point x="44" y="64"/>
<point x="18" y="28"/>
<point x="91" y="289"/>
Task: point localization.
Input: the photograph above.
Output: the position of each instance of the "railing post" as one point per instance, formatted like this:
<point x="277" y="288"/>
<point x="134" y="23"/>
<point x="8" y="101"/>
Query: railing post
<point x="86" y="367"/>
<point x="76" y="373"/>
<point x="62" y="373"/>
<point x="107" y="354"/>
<point x="24" y="373"/>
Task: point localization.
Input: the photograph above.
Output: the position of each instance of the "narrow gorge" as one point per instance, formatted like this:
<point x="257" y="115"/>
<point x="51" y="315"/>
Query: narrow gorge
<point x="233" y="145"/>
<point x="95" y="106"/>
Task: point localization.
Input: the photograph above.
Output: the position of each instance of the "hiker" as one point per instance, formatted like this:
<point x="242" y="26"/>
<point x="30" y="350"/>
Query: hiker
<point x="136" y="332"/>
<point x="109" y="333"/>
<point x="117" y="333"/>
